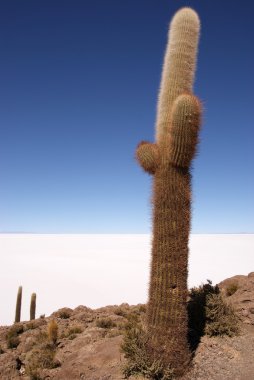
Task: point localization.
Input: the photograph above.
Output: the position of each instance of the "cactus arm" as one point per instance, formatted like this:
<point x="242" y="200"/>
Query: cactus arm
<point x="147" y="155"/>
<point x="178" y="67"/>
<point x="186" y="115"/>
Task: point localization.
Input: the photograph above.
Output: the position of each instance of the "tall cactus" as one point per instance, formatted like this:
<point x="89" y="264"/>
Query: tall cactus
<point x="18" y="305"/>
<point x="169" y="160"/>
<point x="32" y="306"/>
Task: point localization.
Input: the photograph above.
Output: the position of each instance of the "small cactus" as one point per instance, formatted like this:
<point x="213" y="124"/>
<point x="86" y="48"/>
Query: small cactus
<point x="18" y="305"/>
<point x="53" y="331"/>
<point x="32" y="306"/>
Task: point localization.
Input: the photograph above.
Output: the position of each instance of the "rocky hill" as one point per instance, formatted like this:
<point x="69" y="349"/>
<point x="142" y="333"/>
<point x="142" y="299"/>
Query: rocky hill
<point x="88" y="343"/>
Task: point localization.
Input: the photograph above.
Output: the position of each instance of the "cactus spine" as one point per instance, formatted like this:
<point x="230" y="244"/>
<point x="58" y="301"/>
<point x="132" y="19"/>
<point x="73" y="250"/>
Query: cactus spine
<point x="32" y="306"/>
<point x="18" y="305"/>
<point x="169" y="159"/>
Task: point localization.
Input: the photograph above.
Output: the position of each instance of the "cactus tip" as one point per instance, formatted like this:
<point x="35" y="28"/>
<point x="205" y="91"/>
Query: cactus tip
<point x="185" y="14"/>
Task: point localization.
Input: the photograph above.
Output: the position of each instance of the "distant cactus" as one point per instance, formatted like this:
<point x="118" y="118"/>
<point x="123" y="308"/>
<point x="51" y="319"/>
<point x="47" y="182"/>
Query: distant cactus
<point x="169" y="160"/>
<point x="53" y="331"/>
<point x="18" y="305"/>
<point x="32" y="306"/>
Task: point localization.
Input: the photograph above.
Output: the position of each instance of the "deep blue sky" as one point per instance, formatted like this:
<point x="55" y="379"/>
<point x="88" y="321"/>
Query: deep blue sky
<point x="79" y="84"/>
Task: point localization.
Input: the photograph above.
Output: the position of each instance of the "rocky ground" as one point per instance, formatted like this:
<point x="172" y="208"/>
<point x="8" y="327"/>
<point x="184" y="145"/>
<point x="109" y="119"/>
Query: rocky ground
<point x="88" y="343"/>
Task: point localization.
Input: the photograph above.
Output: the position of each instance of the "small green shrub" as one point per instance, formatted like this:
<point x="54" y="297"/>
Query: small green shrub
<point x="231" y="288"/>
<point x="105" y="323"/>
<point x="221" y="317"/>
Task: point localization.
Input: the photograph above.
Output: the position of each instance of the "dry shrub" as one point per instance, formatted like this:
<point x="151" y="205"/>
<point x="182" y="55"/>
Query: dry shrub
<point x="113" y="333"/>
<point x="64" y="314"/>
<point x="30" y="326"/>
<point x="197" y="311"/>
<point x="231" y="288"/>
<point x="75" y="330"/>
<point x="35" y="376"/>
<point x="13" y="342"/>
<point x="40" y="357"/>
<point x="105" y="323"/>
<point x="12" y="336"/>
<point x="221" y="317"/>
<point x="72" y="332"/>
<point x="138" y="362"/>
<point x="120" y="311"/>
<point x="142" y="308"/>
<point x="72" y="336"/>
<point x="36" y="323"/>
<point x="209" y="314"/>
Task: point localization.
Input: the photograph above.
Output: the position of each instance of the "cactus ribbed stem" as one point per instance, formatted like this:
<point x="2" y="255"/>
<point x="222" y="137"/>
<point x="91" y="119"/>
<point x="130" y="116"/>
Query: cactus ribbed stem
<point x="167" y="314"/>
<point x="32" y="306"/>
<point x="18" y="305"/>
<point x="169" y="159"/>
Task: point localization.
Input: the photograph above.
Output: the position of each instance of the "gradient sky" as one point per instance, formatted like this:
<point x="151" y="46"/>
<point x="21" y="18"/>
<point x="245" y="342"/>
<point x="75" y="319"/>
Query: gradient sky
<point x="79" y="84"/>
